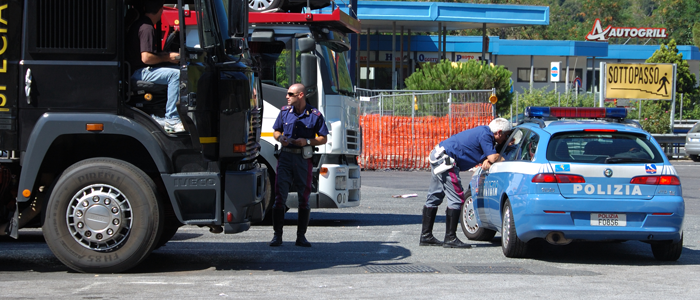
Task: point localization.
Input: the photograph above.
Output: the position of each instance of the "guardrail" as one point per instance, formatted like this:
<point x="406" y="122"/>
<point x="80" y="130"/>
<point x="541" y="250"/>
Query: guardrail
<point x="672" y="143"/>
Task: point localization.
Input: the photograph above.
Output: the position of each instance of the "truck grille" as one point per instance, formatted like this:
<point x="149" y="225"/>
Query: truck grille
<point x="253" y="145"/>
<point x="353" y="139"/>
<point x="73" y="26"/>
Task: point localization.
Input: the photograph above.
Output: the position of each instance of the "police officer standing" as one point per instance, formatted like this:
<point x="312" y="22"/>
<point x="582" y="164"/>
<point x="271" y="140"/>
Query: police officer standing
<point x="461" y="151"/>
<point x="298" y="125"/>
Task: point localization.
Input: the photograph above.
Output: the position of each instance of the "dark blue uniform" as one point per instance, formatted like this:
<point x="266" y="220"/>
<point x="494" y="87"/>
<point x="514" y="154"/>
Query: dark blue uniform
<point x="291" y="166"/>
<point x="468" y="149"/>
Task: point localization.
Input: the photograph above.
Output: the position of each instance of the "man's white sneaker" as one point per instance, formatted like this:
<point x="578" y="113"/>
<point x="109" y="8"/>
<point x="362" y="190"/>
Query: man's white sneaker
<point x="174" y="128"/>
<point x="161" y="121"/>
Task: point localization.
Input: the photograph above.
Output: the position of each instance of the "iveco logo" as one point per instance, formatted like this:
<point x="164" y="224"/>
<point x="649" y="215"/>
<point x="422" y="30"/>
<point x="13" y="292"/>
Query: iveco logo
<point x="607" y="172"/>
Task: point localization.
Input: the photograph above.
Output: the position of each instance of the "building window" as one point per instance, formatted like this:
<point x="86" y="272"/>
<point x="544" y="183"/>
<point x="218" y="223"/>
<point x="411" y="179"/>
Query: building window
<point x="540" y="75"/>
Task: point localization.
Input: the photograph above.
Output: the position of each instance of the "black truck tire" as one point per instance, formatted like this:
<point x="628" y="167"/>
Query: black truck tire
<point x="103" y="216"/>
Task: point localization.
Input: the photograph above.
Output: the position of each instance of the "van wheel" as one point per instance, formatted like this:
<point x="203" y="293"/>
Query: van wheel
<point x="103" y="216"/>
<point x="510" y="243"/>
<point x="467" y="218"/>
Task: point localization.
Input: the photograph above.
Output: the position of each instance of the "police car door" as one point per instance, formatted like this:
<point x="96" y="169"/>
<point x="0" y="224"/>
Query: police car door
<point x="504" y="175"/>
<point x="601" y="164"/>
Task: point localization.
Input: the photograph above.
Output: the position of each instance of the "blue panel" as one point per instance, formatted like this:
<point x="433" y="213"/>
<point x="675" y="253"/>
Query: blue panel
<point x="551" y="48"/>
<point x="643" y="52"/>
<point x="449" y="12"/>
<point x="424" y="43"/>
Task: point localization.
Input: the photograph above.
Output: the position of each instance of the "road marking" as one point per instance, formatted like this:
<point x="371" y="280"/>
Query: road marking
<point x="85" y="288"/>
<point x="385" y="248"/>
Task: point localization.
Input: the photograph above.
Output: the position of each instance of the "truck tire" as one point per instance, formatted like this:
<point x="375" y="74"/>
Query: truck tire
<point x="103" y="216"/>
<point x="467" y="218"/>
<point x="269" y="197"/>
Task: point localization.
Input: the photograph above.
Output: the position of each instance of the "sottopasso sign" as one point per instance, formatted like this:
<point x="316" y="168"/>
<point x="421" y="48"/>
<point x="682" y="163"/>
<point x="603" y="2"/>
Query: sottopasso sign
<point x="639" y="81"/>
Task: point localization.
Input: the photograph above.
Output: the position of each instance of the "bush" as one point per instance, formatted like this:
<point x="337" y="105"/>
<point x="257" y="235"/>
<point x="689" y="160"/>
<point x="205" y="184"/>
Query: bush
<point x="470" y="75"/>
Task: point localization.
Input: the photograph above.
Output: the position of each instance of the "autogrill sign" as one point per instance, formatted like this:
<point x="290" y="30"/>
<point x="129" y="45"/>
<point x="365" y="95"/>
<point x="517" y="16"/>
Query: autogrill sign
<point x="602" y="35"/>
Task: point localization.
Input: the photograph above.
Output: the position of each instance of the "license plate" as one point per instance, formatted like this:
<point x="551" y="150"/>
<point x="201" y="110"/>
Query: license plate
<point x="608" y="219"/>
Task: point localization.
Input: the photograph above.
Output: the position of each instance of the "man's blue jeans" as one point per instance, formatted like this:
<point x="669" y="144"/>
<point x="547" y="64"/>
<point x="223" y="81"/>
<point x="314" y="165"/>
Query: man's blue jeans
<point x="163" y="75"/>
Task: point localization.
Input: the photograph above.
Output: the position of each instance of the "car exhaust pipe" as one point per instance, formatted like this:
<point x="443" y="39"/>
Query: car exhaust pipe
<point x="557" y="238"/>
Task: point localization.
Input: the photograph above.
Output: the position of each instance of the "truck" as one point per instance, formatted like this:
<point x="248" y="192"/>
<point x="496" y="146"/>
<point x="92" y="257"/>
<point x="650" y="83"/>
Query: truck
<point x="82" y="158"/>
<point x="311" y="48"/>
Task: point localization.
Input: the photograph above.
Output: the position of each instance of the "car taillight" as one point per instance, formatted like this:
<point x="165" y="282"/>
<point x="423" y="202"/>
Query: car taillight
<point x="558" y="178"/>
<point x="656" y="180"/>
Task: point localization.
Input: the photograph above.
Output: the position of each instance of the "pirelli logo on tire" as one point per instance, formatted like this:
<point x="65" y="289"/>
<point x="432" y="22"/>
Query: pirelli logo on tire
<point x="639" y="81"/>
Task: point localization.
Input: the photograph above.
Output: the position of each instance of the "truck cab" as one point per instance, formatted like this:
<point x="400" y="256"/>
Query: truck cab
<point x="82" y="157"/>
<point x="311" y="49"/>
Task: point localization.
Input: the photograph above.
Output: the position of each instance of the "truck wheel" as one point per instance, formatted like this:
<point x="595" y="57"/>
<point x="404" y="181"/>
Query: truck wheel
<point x="269" y="197"/>
<point x="667" y="251"/>
<point x="467" y="219"/>
<point x="510" y="243"/>
<point x="103" y="216"/>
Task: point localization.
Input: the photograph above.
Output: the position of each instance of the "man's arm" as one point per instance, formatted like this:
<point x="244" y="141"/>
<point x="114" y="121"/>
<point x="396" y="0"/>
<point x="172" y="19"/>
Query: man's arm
<point x="490" y="160"/>
<point x="154" y="59"/>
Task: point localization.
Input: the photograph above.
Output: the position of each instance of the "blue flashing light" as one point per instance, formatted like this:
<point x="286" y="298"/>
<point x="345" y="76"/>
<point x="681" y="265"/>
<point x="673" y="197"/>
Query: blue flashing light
<point x="617" y="113"/>
<point x="537" y="111"/>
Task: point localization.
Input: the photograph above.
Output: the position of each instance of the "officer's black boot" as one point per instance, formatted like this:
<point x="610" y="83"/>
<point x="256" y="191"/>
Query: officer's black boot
<point x="426" y="235"/>
<point x="277" y="224"/>
<point x="451" y="240"/>
<point x="304" y="215"/>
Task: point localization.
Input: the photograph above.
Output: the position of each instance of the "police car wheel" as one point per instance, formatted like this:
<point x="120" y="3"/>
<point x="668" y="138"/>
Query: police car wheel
<point x="103" y="216"/>
<point x="667" y="251"/>
<point x="470" y="226"/>
<point x="511" y="245"/>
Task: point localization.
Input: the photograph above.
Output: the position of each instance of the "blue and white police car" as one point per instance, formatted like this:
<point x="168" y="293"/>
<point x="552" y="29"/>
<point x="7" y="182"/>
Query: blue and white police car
<point x="564" y="179"/>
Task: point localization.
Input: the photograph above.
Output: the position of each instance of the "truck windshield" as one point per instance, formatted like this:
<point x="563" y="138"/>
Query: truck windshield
<point x="278" y="68"/>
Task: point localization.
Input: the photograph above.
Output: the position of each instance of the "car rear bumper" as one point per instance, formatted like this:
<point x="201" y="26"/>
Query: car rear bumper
<point x="692" y="148"/>
<point x="573" y="219"/>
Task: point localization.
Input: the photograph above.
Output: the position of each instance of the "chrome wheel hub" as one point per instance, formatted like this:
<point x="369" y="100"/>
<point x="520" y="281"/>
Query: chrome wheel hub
<point x="470" y="216"/>
<point x="99" y="217"/>
<point x="259" y="4"/>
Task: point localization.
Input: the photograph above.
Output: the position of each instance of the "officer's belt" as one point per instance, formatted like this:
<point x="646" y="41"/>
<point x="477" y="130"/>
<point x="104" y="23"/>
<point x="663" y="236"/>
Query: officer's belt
<point x="292" y="150"/>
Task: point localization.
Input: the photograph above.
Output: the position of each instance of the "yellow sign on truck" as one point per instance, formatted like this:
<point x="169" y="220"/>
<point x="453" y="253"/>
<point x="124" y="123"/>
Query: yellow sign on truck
<point x="639" y="81"/>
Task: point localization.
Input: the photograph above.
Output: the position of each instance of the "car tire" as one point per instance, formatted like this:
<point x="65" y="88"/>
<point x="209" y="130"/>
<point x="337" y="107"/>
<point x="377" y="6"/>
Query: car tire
<point x="103" y="216"/>
<point x="694" y="157"/>
<point x="467" y="218"/>
<point x="264" y="5"/>
<point x="510" y="243"/>
<point x="667" y="251"/>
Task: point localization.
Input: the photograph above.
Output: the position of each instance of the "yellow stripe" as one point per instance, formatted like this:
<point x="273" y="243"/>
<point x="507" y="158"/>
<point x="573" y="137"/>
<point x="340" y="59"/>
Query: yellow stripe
<point x="208" y="140"/>
<point x="267" y="134"/>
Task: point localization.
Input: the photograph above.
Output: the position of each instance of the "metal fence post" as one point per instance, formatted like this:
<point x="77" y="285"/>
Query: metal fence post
<point x="681" y="118"/>
<point x="449" y="112"/>
<point x="413" y="112"/>
<point x="493" y="106"/>
<point x="381" y="116"/>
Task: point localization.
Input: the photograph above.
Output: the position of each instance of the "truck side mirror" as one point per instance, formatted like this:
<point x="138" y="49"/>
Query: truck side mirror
<point x="306" y="44"/>
<point x="308" y="70"/>
<point x="238" y="18"/>
<point x="234" y="46"/>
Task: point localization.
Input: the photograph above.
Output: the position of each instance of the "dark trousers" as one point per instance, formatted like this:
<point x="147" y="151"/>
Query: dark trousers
<point x="292" y="168"/>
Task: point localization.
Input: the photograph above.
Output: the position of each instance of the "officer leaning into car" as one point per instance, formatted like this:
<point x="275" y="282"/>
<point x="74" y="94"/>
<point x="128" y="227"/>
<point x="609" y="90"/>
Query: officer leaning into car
<point x="461" y="151"/>
<point x="299" y="126"/>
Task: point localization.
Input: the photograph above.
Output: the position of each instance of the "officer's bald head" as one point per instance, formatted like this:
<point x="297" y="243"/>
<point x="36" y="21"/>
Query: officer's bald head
<point x="298" y="88"/>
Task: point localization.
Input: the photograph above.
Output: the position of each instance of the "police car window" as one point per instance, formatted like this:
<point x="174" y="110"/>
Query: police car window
<point x="599" y="148"/>
<point x="530" y="147"/>
<point x="512" y="145"/>
<point x="695" y="129"/>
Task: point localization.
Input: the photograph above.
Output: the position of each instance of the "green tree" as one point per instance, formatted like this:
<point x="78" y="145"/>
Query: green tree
<point x="696" y="34"/>
<point x="471" y="75"/>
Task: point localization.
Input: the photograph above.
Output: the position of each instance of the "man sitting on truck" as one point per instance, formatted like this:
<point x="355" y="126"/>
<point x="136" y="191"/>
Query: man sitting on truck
<point x="146" y="58"/>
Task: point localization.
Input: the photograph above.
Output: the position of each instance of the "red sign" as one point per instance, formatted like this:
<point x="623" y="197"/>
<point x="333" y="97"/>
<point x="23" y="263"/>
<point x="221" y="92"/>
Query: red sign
<point x="602" y="35"/>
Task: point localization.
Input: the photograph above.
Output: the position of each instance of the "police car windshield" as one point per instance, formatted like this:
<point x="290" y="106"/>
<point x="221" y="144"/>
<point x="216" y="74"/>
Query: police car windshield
<point x="602" y="148"/>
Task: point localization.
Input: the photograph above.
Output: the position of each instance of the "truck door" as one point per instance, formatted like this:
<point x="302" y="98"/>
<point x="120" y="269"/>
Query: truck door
<point x="70" y="61"/>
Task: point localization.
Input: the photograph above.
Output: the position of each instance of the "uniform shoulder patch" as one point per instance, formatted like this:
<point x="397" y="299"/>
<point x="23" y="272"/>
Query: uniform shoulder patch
<point x="316" y="112"/>
<point x="286" y="107"/>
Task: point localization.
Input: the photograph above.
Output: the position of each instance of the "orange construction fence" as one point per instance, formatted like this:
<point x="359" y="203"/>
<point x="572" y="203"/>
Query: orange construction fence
<point x="391" y="142"/>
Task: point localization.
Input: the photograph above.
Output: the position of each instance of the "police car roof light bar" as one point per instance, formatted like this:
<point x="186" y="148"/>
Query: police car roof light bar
<point x="575" y="112"/>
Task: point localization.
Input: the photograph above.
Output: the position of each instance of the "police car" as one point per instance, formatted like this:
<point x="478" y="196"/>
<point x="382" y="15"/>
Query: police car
<point x="566" y="179"/>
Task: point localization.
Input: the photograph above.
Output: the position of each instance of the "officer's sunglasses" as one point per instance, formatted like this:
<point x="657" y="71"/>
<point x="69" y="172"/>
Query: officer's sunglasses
<point x="292" y="94"/>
